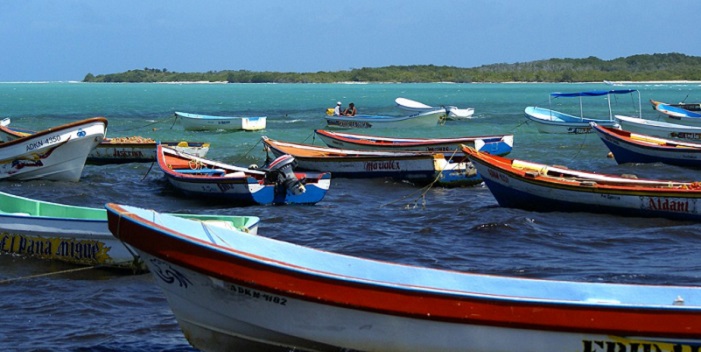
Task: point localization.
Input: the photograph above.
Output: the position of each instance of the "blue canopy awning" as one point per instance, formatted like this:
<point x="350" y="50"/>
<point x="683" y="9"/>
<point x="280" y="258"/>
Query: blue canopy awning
<point x="594" y="93"/>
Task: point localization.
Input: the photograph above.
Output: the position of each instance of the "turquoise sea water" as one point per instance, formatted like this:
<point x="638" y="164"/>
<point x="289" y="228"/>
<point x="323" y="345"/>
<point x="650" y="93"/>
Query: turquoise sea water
<point x="457" y="228"/>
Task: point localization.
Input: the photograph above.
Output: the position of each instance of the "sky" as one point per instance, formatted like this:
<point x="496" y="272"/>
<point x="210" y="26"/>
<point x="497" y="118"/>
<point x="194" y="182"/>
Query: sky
<point x="64" y="40"/>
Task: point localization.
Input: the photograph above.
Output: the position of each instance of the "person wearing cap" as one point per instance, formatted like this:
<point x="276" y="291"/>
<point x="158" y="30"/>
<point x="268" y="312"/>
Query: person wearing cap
<point x="338" y="109"/>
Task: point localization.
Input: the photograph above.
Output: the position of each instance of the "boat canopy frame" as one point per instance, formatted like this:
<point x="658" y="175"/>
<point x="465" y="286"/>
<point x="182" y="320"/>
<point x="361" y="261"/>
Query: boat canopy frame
<point x="596" y="93"/>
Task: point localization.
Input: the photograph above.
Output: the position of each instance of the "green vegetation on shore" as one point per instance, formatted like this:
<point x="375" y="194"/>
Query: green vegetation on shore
<point x="655" y="67"/>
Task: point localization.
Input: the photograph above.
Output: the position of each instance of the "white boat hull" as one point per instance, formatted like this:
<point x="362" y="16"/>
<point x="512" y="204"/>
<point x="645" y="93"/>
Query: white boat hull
<point x="194" y="122"/>
<point x="550" y="121"/>
<point x="234" y="291"/>
<point x="58" y="156"/>
<point x="222" y="316"/>
<point x="456" y="114"/>
<point x="683" y="120"/>
<point x="659" y="128"/>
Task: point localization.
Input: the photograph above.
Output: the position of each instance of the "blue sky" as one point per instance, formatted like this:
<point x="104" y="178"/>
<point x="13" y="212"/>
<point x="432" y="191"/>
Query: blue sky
<point x="52" y="40"/>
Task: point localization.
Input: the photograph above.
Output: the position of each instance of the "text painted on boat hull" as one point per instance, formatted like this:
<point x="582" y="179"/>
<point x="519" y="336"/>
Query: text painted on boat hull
<point x="625" y="345"/>
<point x="671" y="205"/>
<point x="382" y="165"/>
<point x="70" y="250"/>
<point x="41" y="143"/>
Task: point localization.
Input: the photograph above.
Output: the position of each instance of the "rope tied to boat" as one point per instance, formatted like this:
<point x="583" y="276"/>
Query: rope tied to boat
<point x="247" y="152"/>
<point x="67" y="271"/>
<point x="148" y="171"/>
<point x="147" y="125"/>
<point x="424" y="190"/>
<point x="195" y="164"/>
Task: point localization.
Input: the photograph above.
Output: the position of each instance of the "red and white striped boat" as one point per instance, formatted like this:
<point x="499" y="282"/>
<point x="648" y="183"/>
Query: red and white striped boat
<point x="235" y="291"/>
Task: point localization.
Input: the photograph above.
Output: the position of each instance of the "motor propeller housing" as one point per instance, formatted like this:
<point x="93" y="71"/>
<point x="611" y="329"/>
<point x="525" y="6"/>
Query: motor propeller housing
<point x="281" y="172"/>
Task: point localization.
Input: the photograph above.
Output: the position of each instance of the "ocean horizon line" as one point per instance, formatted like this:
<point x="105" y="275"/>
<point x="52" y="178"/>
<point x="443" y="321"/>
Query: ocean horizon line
<point x="360" y="82"/>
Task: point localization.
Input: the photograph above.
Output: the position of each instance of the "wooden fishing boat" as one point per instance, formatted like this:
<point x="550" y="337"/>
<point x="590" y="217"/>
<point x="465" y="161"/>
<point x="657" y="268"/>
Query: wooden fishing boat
<point x="629" y="147"/>
<point x="277" y="184"/>
<point x="659" y="128"/>
<point x="422" y="119"/>
<point x="417" y="167"/>
<point x="78" y="235"/>
<point x="454" y="113"/>
<point x="679" y="113"/>
<point x="231" y="291"/>
<point x="199" y="122"/>
<point x="548" y="120"/>
<point x="532" y="186"/>
<point x="122" y="150"/>
<point x="117" y="150"/>
<point x="498" y="145"/>
<point x="58" y="153"/>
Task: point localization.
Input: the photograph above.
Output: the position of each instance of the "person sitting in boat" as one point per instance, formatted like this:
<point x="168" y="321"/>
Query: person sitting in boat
<point x="338" y="110"/>
<point x="351" y="111"/>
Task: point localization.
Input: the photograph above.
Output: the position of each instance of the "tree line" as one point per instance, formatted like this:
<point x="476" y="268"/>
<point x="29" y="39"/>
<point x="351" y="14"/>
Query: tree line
<point x="647" y="67"/>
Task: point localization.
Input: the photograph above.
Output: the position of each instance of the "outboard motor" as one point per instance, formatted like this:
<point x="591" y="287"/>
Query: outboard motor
<point x="280" y="172"/>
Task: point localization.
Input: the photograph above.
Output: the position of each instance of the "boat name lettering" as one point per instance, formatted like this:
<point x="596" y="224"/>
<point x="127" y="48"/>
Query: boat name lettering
<point x="54" y="248"/>
<point x="258" y="295"/>
<point x="686" y="135"/>
<point x="497" y="176"/>
<point x="40" y="143"/>
<point x="439" y="149"/>
<point x="382" y="165"/>
<point x="637" y="346"/>
<point x="579" y="130"/>
<point x="680" y="206"/>
<point x="127" y="154"/>
<point x="225" y="187"/>
<point x="350" y="124"/>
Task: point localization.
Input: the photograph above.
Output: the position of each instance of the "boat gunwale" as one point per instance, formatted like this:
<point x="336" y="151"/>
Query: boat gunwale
<point x="308" y="151"/>
<point x="58" y="129"/>
<point x="403" y="142"/>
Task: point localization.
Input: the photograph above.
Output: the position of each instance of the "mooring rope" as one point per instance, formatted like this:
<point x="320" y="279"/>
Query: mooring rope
<point x="519" y="125"/>
<point x="248" y="152"/>
<point x="147" y="125"/>
<point x="409" y="205"/>
<point x="424" y="190"/>
<point x="67" y="271"/>
<point x="149" y="171"/>
<point x="313" y="136"/>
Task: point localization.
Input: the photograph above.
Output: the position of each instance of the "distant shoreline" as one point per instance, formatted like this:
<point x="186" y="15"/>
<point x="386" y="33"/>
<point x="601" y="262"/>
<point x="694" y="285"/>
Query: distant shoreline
<point x="610" y="83"/>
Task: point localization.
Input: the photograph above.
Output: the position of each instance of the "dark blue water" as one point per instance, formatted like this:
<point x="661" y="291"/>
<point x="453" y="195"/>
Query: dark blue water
<point x="55" y="307"/>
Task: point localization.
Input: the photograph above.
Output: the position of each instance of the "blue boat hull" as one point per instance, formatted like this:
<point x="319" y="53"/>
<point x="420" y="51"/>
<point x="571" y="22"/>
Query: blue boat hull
<point x="513" y="198"/>
<point x="624" y="155"/>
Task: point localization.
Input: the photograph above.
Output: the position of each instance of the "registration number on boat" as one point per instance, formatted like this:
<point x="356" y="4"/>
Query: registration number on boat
<point x="258" y="295"/>
<point x="46" y="141"/>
